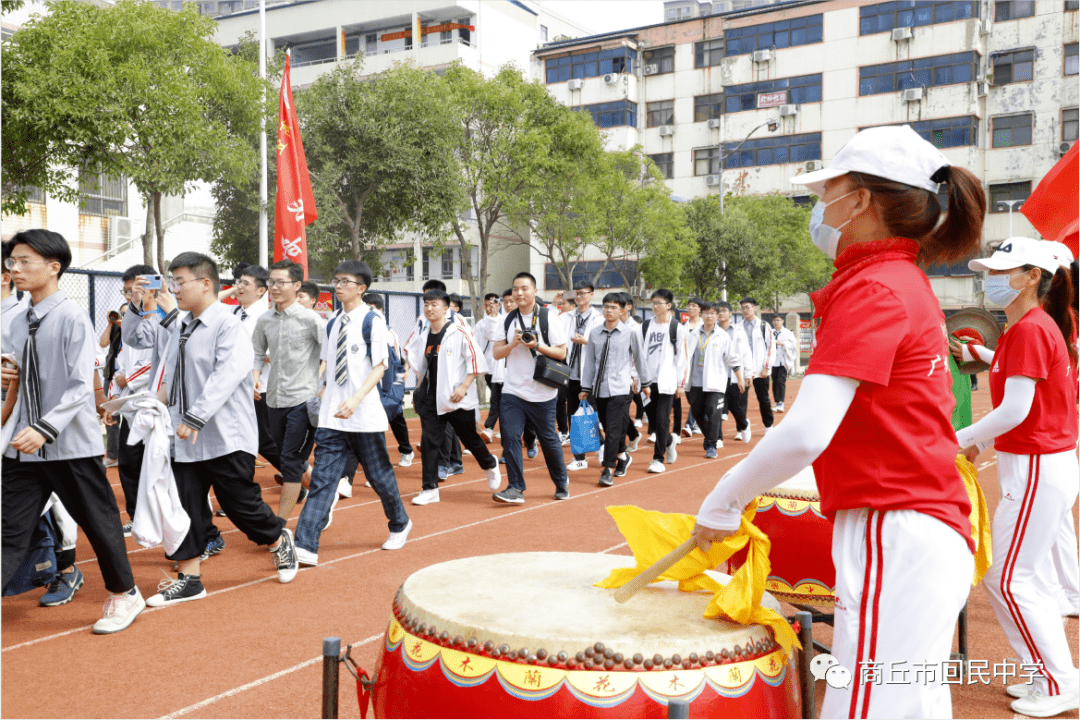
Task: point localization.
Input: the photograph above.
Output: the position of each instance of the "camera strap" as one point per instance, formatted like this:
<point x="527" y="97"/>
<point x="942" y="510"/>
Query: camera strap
<point x="532" y="328"/>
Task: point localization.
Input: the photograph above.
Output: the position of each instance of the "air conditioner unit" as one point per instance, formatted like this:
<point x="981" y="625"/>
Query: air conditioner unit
<point x="119" y="231"/>
<point x="713" y="124"/>
<point x="667" y="130"/>
<point x="611" y="78"/>
<point x="761" y="56"/>
<point x="1063" y="147"/>
<point x="651" y="69"/>
<point x="575" y="84"/>
<point x="912" y="95"/>
<point x="812" y="165"/>
<point x="789" y="110"/>
<point x="712" y="180"/>
<point x="981" y="89"/>
<point x="901" y="33"/>
<point x="985" y="25"/>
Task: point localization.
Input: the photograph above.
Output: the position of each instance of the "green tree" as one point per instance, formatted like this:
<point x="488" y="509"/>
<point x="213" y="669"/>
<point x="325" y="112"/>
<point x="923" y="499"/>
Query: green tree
<point x="731" y="251"/>
<point x="129" y="90"/>
<point x="379" y="151"/>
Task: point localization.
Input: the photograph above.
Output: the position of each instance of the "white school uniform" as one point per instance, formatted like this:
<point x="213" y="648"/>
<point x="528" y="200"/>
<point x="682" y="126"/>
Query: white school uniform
<point x="459" y="356"/>
<point x="369" y="416"/>
<point x="721" y="358"/>
<point x="669" y="370"/>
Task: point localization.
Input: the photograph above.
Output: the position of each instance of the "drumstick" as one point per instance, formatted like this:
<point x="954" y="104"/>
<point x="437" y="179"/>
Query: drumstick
<point x="654" y="571"/>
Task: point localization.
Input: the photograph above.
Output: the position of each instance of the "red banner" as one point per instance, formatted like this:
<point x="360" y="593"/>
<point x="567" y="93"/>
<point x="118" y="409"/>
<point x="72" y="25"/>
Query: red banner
<point x="396" y="36"/>
<point x="445" y="27"/>
<point x="295" y="207"/>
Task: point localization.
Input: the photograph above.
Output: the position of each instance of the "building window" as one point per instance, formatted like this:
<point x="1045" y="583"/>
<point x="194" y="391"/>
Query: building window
<point x="464" y="34"/>
<point x="1069" y="124"/>
<point x="659" y="61"/>
<point x="706" y="161"/>
<point x="543" y="33"/>
<point x="666" y="161"/>
<point x="425" y="268"/>
<point x="774" y="150"/>
<point x="1017" y="66"/>
<point x="660" y="113"/>
<point x="352" y="45"/>
<point x="1012" y="130"/>
<point x="601" y="273"/>
<point x="883" y="17"/>
<point x="671" y="14"/>
<point x="371" y="44"/>
<point x="102" y="195"/>
<point x="925" y="72"/>
<point x="1013" y="10"/>
<point x="780" y="34"/>
<point x="947" y="132"/>
<point x="707" y="107"/>
<point x="796" y="90"/>
<point x="1071" y="65"/>
<point x="1008" y="191"/>
<point x="708" y="53"/>
<point x="448" y="263"/>
<point x="1072" y="5"/>
<point x="589" y="64"/>
<point x="612" y="114"/>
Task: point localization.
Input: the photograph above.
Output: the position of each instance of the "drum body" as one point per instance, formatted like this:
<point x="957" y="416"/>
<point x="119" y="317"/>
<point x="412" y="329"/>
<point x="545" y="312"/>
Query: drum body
<point x="528" y="635"/>
<point x="801" y="554"/>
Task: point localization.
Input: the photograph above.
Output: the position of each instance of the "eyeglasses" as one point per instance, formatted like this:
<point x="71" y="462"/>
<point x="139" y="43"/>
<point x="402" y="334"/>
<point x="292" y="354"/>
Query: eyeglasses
<point x="280" y="283"/>
<point x="176" y="285"/>
<point x="245" y="284"/>
<point x="341" y="282"/>
<point x="660" y="302"/>
<point x="11" y="263"/>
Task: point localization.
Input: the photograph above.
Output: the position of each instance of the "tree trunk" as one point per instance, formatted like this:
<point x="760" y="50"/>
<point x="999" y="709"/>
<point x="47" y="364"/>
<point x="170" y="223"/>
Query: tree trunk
<point x="160" y="232"/>
<point x="148" y="236"/>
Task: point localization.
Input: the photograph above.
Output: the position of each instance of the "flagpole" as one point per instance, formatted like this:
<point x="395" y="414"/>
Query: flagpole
<point x="264" y="244"/>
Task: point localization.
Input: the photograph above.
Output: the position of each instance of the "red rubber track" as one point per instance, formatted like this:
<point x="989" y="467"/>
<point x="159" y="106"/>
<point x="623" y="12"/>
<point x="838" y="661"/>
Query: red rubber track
<point x="252" y="648"/>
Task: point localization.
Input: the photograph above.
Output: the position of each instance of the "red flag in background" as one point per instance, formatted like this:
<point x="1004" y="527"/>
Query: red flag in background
<point x="295" y="207"/>
<point x="1054" y="207"/>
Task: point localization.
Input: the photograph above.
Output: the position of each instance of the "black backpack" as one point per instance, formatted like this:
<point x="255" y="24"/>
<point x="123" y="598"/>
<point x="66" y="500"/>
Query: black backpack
<point x="673" y="328"/>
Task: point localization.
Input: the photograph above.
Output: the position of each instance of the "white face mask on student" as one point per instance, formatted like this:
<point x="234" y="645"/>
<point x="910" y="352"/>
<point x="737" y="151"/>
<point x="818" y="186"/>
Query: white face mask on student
<point x="999" y="291"/>
<point x="825" y="238"/>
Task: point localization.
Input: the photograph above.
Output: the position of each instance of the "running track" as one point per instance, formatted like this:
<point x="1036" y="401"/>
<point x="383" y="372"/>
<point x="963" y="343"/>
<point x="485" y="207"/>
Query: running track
<point x="252" y="648"/>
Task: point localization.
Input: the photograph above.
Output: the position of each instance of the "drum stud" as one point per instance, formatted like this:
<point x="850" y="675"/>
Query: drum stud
<point x="580" y="657"/>
<point x="562" y="657"/>
<point x="589" y="652"/>
<point x="422" y="629"/>
<point x="658" y="659"/>
<point x="609" y="653"/>
<point x="710" y="655"/>
<point x="458" y="640"/>
<point x="693" y="658"/>
<point x="618" y="657"/>
<point x="541" y="654"/>
<point x="628" y="664"/>
<point x="648" y="664"/>
<point x="471" y="644"/>
<point x="668" y="664"/>
<point x="589" y="664"/>
<point x="725" y="654"/>
<point x="676" y="658"/>
<point x="571" y="664"/>
<point x="496" y="653"/>
<point x="749" y="649"/>
<point x="531" y="660"/>
<point x="638" y="659"/>
<point x="523" y="653"/>
<point x="599" y="647"/>
<point x="686" y="664"/>
<point x="512" y="655"/>
<point x="444" y="636"/>
<point x="504" y="649"/>
<point x="609" y="664"/>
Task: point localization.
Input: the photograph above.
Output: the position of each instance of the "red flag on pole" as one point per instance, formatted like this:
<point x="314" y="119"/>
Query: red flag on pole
<point x="1054" y="208"/>
<point x="295" y="207"/>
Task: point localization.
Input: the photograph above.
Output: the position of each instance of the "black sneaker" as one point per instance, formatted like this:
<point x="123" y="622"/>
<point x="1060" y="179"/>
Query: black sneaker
<point x="562" y="494"/>
<point x="302" y="496"/>
<point x="285" y="557"/>
<point x="172" y="592"/>
<point x="127" y="528"/>
<point x="220" y="513"/>
<point x="510" y="495"/>
<point x="214" y="547"/>
<point x="606" y="480"/>
<point x="621" y="465"/>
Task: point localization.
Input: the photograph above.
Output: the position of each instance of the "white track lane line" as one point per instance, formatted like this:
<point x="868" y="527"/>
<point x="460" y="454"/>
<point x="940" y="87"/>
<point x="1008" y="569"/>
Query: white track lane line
<point x="377" y="550"/>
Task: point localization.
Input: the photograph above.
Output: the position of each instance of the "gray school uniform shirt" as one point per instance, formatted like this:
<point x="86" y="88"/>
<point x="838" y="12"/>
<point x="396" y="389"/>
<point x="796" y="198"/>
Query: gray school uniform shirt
<point x="294" y="339"/>
<point x="624" y="349"/>
<point x="66" y="345"/>
<point x="218" y="384"/>
<point x="149" y="331"/>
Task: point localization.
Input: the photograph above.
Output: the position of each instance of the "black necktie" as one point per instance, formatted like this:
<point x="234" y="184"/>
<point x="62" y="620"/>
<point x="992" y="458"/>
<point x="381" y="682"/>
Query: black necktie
<point x="600" y="368"/>
<point x="32" y="382"/>
<point x="341" y="362"/>
<point x="178" y="395"/>
<point x="575" y="349"/>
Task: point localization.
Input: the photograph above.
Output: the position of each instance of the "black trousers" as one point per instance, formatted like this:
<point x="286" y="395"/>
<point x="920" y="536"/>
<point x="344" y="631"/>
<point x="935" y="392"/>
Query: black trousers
<point x="677" y="406"/>
<point x="129" y="464"/>
<point x="640" y="409"/>
<point x="562" y="417"/>
<point x="449" y="452"/>
<point x="433" y="432"/>
<point x="659" y="412"/>
<point x="761" y="389"/>
<point x="233" y="478"/>
<point x="112" y="440"/>
<point x="84" y="490"/>
<point x="779" y="383"/>
<point x="708" y="407"/>
<point x="401" y="433"/>
<point x="268" y="447"/>
<point x="614" y="413"/>
<point x="736" y="405"/>
<point x="494" y="395"/>
<point x="293" y="435"/>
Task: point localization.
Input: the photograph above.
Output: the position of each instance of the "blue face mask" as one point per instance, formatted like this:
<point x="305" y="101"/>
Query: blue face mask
<point x="825" y="238"/>
<point x="999" y="291"/>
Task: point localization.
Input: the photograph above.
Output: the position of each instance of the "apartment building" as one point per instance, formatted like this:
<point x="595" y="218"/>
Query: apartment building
<point x="993" y="84"/>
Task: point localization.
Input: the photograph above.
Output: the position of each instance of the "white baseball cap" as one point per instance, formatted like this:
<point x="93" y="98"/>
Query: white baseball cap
<point x="1061" y="253"/>
<point x="894" y="152"/>
<point x="1015" y="252"/>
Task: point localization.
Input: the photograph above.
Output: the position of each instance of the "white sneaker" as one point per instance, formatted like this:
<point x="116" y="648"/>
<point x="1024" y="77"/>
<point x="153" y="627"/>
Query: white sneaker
<point x="426" y="497"/>
<point x="719" y="444"/>
<point x="600" y="455"/>
<point x="367" y="483"/>
<point x="671" y="454"/>
<point x="577" y="465"/>
<point x="396" y="541"/>
<point x="1020" y="690"/>
<point x="564" y="438"/>
<point x="779" y="408"/>
<point x="406" y="460"/>
<point x="120" y="611"/>
<point x="487" y="435"/>
<point x="344" y="488"/>
<point x="306" y="557"/>
<point x="1035" y="704"/>
<point x="656" y="466"/>
<point x="632" y="447"/>
<point x="494" y="478"/>
<point x="652" y="437"/>
<point x="498" y="436"/>
<point x="723" y="416"/>
<point x="746" y="435"/>
<point x="637" y="423"/>
<point x="676" y="439"/>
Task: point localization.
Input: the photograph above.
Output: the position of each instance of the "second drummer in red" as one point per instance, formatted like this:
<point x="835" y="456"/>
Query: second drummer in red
<point x="873" y="416"/>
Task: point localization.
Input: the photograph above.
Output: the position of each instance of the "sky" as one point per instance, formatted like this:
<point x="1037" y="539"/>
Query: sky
<point x="601" y="16"/>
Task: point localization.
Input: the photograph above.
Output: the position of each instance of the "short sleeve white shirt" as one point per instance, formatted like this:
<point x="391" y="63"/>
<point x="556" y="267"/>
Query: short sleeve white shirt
<point x="520" y="363"/>
<point x="369" y="415"/>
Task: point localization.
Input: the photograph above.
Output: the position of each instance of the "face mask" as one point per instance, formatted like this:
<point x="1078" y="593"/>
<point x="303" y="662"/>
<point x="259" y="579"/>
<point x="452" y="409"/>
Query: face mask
<point x="825" y="238"/>
<point x="999" y="291"/>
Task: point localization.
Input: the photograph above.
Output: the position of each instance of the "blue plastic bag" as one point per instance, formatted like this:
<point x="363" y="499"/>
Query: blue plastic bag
<point x="584" y="430"/>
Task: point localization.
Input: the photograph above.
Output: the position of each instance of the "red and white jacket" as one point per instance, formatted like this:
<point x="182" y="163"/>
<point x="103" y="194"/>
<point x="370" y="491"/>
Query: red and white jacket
<point x="459" y="355"/>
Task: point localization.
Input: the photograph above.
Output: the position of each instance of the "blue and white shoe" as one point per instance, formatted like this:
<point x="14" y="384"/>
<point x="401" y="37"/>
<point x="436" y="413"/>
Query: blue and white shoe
<point x="455" y="470"/>
<point x="444" y="472"/>
<point x="533" y="450"/>
<point x="214" y="547"/>
<point x="63" y="588"/>
<point x="710" y="454"/>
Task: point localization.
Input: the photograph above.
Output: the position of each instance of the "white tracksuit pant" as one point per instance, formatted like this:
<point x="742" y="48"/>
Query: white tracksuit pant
<point x="1036" y="491"/>
<point x="902" y="578"/>
<point x="1064" y="571"/>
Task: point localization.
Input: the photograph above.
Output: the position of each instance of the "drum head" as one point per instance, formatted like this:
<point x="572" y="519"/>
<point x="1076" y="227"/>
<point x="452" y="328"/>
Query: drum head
<point x="548" y="601"/>
<point x="801" y="487"/>
<point x="978" y="325"/>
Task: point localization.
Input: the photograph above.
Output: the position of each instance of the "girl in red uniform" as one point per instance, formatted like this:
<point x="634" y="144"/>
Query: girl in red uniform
<point x="1033" y="427"/>
<point x="873" y="416"/>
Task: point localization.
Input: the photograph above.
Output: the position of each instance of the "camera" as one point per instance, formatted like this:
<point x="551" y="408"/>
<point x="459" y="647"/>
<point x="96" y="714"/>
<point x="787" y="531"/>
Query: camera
<point x="113" y="316"/>
<point x="527" y="337"/>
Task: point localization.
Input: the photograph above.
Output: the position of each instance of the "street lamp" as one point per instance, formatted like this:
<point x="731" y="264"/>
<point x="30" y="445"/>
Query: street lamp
<point x="1010" y="205"/>
<point x="772" y="124"/>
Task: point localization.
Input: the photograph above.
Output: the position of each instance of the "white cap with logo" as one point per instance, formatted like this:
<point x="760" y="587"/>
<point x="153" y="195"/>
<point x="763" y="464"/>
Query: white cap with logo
<point x="1016" y="252"/>
<point x="894" y="152"/>
<point x="1061" y="252"/>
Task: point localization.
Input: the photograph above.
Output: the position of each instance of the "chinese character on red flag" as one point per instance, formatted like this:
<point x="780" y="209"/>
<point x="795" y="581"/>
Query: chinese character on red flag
<point x="295" y="207"/>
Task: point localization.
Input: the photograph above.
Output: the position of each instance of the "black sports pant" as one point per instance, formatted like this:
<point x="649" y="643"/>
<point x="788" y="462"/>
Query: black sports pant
<point x="707" y="407"/>
<point x="129" y="464"/>
<point x="761" y="389"/>
<point x="614" y="413"/>
<point x="268" y="448"/>
<point x="433" y="432"/>
<point x="779" y="383"/>
<point x="659" y="412"/>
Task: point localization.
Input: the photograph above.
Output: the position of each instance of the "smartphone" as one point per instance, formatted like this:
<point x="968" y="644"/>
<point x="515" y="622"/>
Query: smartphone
<point x="153" y="282"/>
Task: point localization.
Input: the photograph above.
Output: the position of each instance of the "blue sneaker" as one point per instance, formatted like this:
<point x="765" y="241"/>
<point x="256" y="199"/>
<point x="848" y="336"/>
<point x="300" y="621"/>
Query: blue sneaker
<point x="62" y="589"/>
<point x="502" y="460"/>
<point x="444" y="472"/>
<point x="710" y="454"/>
<point x="455" y="470"/>
<point x="533" y="449"/>
<point x="214" y="547"/>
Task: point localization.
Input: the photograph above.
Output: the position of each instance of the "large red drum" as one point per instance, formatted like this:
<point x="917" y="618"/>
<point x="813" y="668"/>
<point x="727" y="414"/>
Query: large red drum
<point x="529" y="635"/>
<point x="801" y="555"/>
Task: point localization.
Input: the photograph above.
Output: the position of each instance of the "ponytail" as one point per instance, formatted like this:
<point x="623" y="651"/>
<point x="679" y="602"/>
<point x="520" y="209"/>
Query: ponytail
<point x="1056" y="296"/>
<point x="960" y="234"/>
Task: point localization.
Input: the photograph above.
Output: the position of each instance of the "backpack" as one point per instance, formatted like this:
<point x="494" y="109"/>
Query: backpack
<point x="392" y="385"/>
<point x="673" y="328"/>
<point x="39" y="568"/>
